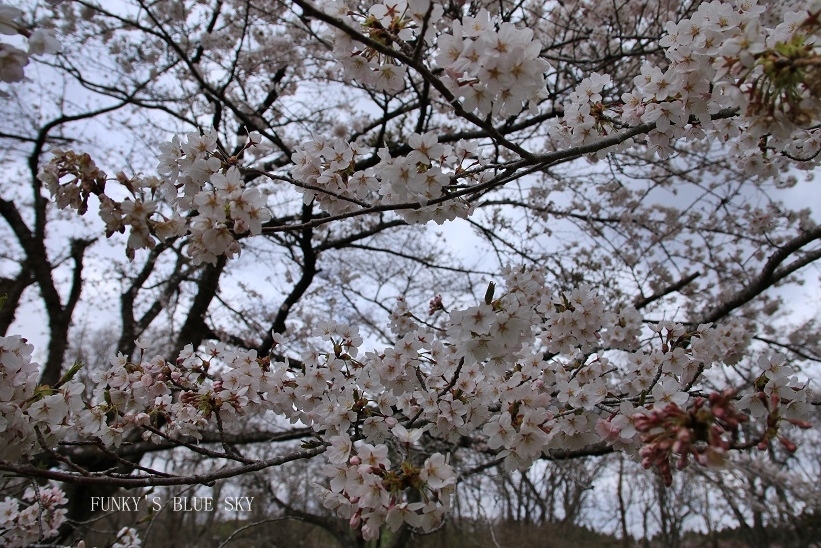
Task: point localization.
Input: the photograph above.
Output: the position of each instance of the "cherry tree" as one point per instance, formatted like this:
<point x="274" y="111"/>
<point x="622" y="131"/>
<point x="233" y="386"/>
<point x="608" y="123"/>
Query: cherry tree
<point x="632" y="170"/>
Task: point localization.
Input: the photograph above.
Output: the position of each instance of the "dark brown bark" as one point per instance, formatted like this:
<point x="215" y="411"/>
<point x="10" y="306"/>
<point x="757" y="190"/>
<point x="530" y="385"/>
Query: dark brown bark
<point x="195" y="330"/>
<point x="12" y="290"/>
<point x="309" y="270"/>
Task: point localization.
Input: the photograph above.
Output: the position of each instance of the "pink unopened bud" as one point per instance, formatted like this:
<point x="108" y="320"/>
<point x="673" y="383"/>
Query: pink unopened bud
<point x="355" y="460"/>
<point x="800" y="423"/>
<point x="788" y="445"/>
<point x="436" y="302"/>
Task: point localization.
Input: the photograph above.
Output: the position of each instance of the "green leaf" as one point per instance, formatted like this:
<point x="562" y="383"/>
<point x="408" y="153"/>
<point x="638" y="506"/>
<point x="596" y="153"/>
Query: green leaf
<point x="69" y="374"/>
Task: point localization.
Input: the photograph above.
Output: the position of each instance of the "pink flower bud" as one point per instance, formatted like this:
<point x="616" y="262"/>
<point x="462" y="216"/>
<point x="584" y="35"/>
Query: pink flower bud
<point x="788" y="445"/>
<point x="800" y="423"/>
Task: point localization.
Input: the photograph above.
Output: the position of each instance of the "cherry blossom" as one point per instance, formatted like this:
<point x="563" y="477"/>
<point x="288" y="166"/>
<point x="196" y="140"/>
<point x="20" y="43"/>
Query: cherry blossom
<point x="13" y="60"/>
<point x="526" y="372"/>
<point x="35" y="517"/>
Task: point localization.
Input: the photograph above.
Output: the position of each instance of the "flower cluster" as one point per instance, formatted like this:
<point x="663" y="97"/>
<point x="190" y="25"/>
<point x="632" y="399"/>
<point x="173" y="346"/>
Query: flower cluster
<point x="225" y="208"/>
<point x="365" y="489"/>
<point x="510" y="368"/>
<point x="219" y="388"/>
<point x="391" y="25"/>
<point x="29" y="411"/>
<point x="721" y="60"/>
<point x="780" y="397"/>
<point x="727" y="78"/>
<point x="37" y="520"/>
<point x="703" y="431"/>
<point x="492" y="70"/>
<point x="326" y="172"/>
<point x="195" y="180"/>
<point x="19" y="381"/>
<point x="525" y="374"/>
<point x="13" y="60"/>
<point x="574" y="320"/>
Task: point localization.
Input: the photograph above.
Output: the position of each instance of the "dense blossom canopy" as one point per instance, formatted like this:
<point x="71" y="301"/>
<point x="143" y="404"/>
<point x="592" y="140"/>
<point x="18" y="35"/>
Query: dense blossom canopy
<point x="538" y="367"/>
